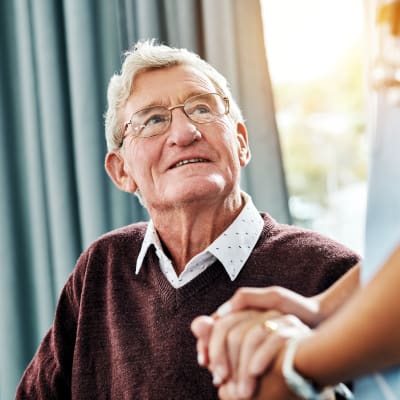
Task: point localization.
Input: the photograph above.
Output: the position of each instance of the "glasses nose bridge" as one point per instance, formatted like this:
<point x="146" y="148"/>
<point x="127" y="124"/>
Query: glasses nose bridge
<point x="172" y="108"/>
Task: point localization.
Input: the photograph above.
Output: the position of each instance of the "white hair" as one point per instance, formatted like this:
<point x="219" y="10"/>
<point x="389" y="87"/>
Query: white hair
<point x="147" y="55"/>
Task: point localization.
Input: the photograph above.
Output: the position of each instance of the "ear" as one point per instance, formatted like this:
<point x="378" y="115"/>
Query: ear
<point x="115" y="167"/>
<point x="243" y="144"/>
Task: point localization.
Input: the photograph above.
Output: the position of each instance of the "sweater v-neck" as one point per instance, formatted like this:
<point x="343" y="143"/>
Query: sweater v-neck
<point x="177" y="296"/>
<point x="205" y="281"/>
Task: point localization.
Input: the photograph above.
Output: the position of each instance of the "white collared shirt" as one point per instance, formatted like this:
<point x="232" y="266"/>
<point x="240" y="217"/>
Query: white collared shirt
<point x="232" y="248"/>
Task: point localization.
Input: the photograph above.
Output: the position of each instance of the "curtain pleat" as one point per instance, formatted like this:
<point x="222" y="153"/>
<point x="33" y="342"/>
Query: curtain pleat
<point x="86" y="105"/>
<point x="54" y="135"/>
<point x="12" y="239"/>
<point x="57" y="59"/>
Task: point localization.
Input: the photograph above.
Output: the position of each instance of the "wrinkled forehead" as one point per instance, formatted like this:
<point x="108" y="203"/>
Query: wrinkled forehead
<point x="166" y="86"/>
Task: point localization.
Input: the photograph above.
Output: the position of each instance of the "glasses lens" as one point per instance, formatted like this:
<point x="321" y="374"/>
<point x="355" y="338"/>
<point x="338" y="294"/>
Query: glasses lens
<point x="150" y="121"/>
<point x="205" y="108"/>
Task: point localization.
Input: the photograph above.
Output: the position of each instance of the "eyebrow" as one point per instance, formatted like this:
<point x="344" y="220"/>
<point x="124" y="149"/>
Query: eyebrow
<point x="158" y="103"/>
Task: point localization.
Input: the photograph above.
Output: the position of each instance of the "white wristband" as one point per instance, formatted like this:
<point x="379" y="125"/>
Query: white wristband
<point x="301" y="386"/>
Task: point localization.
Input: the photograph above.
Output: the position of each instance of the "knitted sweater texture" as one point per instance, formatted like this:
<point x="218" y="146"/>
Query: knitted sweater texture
<point x="117" y="335"/>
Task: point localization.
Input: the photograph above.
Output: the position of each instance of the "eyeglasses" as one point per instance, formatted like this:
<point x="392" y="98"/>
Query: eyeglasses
<point x="153" y="121"/>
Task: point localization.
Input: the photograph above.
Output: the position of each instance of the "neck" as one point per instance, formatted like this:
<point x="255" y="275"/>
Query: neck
<point x="187" y="230"/>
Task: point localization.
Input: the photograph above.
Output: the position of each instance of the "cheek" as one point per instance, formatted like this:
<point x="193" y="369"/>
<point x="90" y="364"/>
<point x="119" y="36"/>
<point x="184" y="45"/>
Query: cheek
<point x="224" y="134"/>
<point x="227" y="125"/>
<point x="133" y="161"/>
<point x="143" y="158"/>
<point x="231" y="144"/>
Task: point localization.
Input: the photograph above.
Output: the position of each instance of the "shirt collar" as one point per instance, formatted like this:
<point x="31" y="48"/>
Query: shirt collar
<point x="150" y="238"/>
<point x="232" y="248"/>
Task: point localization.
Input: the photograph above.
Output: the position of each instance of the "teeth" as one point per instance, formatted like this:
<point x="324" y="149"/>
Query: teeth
<point x="193" y="160"/>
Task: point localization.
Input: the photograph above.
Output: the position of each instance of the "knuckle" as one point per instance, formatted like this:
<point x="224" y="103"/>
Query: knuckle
<point x="234" y="337"/>
<point x="221" y="324"/>
<point x="240" y="295"/>
<point x="254" y="334"/>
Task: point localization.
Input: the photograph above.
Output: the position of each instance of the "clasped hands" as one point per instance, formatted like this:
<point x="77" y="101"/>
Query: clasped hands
<point x="243" y="347"/>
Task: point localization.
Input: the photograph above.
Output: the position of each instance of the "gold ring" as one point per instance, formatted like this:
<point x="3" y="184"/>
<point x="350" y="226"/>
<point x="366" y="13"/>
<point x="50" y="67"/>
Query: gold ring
<point x="270" y="326"/>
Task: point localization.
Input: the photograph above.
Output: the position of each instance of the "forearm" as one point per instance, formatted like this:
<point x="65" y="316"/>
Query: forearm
<point x="362" y="337"/>
<point x="311" y="310"/>
<point x="338" y="294"/>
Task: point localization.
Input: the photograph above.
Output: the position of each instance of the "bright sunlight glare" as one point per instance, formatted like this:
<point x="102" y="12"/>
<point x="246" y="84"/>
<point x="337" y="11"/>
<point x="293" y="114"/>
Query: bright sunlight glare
<point x="304" y="39"/>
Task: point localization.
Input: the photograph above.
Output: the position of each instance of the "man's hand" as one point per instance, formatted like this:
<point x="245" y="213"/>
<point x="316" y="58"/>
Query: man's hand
<point x="239" y="347"/>
<point x="271" y="298"/>
<point x="271" y="386"/>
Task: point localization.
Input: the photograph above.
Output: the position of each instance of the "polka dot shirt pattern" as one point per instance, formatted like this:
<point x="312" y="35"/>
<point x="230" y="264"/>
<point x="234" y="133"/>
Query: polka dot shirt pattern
<point x="232" y="248"/>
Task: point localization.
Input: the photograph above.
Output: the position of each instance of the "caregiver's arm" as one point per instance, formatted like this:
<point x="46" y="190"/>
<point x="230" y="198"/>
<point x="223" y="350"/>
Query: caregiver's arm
<point x="312" y="310"/>
<point x="362" y="337"/>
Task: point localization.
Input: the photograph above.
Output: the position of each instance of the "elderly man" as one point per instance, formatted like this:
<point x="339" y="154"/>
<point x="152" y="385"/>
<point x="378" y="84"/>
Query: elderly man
<point x="176" y="138"/>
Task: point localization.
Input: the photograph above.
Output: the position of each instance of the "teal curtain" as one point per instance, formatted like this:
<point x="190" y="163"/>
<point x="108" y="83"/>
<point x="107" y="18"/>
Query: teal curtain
<point x="56" y="60"/>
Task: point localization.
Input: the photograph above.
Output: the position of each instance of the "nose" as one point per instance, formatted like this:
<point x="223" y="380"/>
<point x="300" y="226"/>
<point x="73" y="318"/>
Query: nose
<point x="182" y="131"/>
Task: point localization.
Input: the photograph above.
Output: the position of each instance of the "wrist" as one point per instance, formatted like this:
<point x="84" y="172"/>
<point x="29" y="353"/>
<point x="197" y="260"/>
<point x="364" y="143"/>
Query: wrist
<point x="298" y="384"/>
<point x="302" y="386"/>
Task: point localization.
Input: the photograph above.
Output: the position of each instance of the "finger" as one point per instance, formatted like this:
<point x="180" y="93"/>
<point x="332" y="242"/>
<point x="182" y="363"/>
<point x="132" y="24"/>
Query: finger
<point x="202" y="353"/>
<point x="261" y="298"/>
<point x="219" y="364"/>
<point x="252" y="339"/>
<point x="250" y="342"/>
<point x="201" y="328"/>
<point x="224" y="392"/>
<point x="236" y="337"/>
<point x="273" y="297"/>
<point x="281" y="329"/>
<point x="228" y="391"/>
<point x="234" y="343"/>
<point x="265" y="354"/>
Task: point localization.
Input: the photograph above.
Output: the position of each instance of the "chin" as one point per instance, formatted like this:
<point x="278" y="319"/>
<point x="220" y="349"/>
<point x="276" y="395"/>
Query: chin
<point x="202" y="191"/>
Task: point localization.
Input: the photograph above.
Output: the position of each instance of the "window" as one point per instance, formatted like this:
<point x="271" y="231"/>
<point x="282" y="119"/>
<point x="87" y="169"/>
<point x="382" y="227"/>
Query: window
<point x="316" y="60"/>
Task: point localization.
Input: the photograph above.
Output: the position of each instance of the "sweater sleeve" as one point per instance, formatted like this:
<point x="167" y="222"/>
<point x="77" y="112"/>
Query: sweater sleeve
<point x="48" y="375"/>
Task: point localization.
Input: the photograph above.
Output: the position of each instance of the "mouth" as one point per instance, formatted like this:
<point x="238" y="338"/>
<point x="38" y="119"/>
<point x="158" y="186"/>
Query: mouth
<point x="189" y="161"/>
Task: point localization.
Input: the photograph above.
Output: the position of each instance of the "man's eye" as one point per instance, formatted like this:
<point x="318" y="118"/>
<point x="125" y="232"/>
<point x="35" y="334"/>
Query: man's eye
<point x="156" y="119"/>
<point x="200" y="109"/>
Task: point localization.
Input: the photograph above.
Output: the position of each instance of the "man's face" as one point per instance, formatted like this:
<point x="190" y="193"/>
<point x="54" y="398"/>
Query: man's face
<point x="150" y="164"/>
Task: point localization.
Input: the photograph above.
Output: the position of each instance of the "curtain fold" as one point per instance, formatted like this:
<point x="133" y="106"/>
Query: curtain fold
<point x="57" y="58"/>
<point x="86" y="105"/>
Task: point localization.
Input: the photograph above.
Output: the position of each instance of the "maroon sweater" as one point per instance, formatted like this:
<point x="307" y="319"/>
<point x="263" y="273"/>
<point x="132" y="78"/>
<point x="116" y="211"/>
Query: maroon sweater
<point x="117" y="335"/>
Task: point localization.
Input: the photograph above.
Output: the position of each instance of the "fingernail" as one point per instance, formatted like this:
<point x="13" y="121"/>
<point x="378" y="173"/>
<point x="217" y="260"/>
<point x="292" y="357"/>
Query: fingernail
<point x="219" y="375"/>
<point x="200" y="359"/>
<point x="226" y="308"/>
<point x="217" y="380"/>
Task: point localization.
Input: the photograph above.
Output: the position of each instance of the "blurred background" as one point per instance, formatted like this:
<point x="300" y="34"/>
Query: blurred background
<point x="310" y="76"/>
<point x="317" y="58"/>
